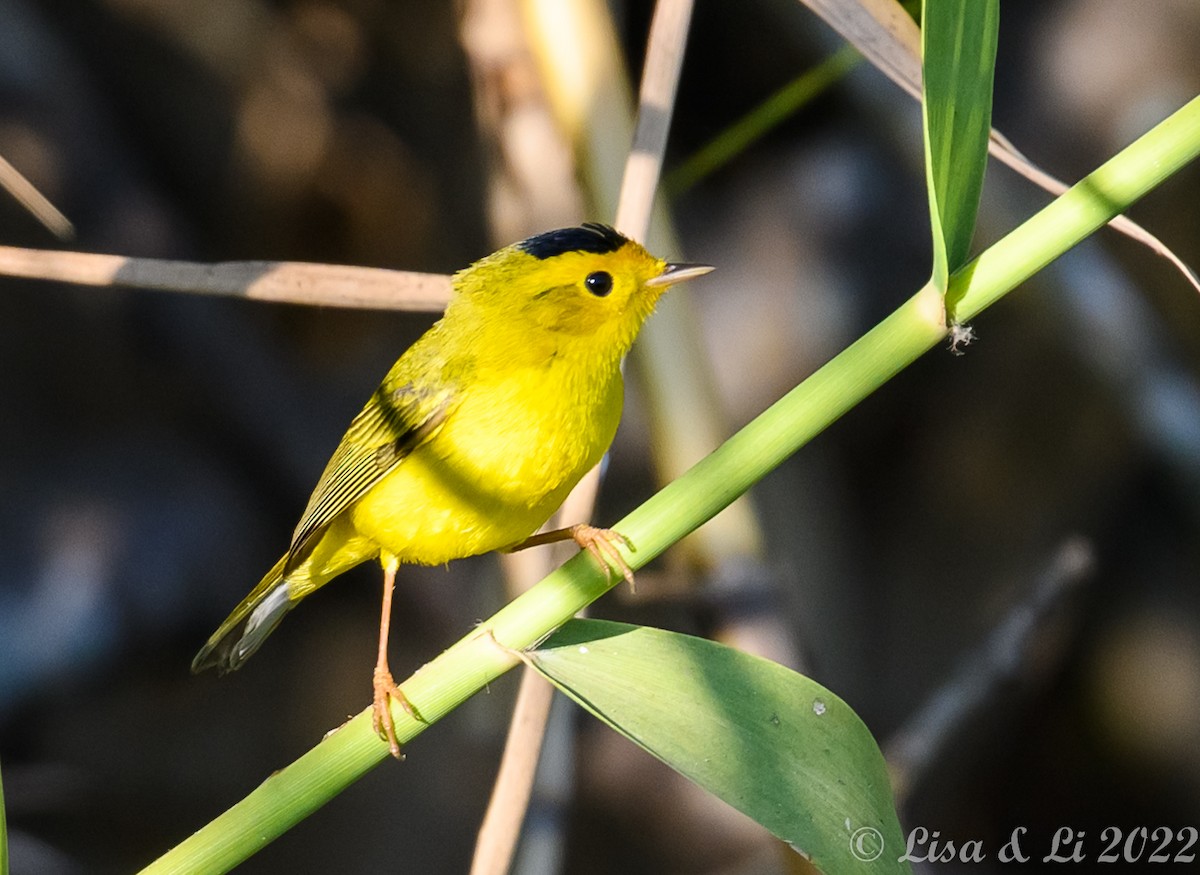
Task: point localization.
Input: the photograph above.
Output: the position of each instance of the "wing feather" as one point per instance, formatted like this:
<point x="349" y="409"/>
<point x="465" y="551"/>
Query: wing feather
<point x="393" y="424"/>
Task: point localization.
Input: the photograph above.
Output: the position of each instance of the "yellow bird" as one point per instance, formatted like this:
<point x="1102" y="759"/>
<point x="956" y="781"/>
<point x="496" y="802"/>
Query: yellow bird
<point x="476" y="434"/>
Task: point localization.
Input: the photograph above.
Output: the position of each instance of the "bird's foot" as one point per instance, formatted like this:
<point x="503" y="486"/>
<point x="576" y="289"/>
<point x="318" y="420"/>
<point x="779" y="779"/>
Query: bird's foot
<point x="602" y="544"/>
<point x="386" y="689"/>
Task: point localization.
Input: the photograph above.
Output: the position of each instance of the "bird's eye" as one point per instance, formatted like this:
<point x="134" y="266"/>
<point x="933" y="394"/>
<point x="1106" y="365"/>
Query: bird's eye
<point x="599" y="283"/>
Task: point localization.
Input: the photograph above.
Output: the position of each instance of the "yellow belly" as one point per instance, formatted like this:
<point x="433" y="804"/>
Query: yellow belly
<point x="496" y="471"/>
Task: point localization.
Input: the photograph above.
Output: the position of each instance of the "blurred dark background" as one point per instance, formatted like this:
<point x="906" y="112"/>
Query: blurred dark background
<point x="158" y="448"/>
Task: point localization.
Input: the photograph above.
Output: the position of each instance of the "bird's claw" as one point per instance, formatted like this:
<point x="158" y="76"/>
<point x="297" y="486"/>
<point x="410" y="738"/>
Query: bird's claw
<point x="386" y="689"/>
<point x="602" y="544"/>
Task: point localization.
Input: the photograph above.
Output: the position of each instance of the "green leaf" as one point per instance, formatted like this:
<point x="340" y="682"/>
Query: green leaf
<point x="3" y="834"/>
<point x="772" y="743"/>
<point x="958" y="43"/>
<point x="765" y="117"/>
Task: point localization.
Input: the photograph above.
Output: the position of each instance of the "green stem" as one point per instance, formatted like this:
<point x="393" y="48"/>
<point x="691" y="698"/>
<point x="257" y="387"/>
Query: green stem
<point x="757" y="123"/>
<point x="290" y="795"/>
<point x="3" y="834"/>
<point x="1089" y="204"/>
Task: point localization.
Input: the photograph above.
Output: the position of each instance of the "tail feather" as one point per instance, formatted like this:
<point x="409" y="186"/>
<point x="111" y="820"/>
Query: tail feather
<point x="244" y="630"/>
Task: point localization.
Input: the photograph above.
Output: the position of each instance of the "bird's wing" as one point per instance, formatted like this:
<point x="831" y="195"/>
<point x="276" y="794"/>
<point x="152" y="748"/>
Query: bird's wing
<point x="392" y="425"/>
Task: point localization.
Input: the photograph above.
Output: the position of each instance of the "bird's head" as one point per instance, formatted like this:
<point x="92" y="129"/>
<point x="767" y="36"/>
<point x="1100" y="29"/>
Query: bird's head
<point x="576" y="290"/>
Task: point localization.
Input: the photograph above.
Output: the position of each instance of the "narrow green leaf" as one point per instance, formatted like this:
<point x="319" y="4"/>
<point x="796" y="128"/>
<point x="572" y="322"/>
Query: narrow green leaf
<point x="3" y="833"/>
<point x="774" y="744"/>
<point x="958" y="41"/>
<point x="761" y="120"/>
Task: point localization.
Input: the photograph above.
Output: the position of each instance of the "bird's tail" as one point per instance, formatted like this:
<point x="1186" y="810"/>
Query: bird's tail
<point x="244" y="630"/>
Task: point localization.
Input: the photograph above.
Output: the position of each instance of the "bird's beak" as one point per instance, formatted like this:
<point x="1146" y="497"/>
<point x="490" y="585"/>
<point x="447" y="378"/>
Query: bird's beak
<point x="677" y="273"/>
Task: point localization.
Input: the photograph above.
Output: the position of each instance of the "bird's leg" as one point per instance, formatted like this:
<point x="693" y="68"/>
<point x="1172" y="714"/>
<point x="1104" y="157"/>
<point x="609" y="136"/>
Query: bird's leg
<point x="601" y="543"/>
<point x="383" y="682"/>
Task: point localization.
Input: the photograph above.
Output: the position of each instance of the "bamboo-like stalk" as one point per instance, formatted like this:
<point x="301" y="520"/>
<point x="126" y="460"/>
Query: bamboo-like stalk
<point x="496" y="844"/>
<point x="917" y="325"/>
<point x="290" y="282"/>
<point x="39" y="206"/>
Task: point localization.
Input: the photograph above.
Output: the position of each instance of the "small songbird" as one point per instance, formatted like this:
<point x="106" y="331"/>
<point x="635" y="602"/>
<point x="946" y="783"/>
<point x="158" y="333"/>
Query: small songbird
<point x="476" y="434"/>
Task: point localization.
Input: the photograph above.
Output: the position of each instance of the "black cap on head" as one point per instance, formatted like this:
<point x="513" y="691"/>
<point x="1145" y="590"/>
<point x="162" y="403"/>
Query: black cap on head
<point x="588" y="237"/>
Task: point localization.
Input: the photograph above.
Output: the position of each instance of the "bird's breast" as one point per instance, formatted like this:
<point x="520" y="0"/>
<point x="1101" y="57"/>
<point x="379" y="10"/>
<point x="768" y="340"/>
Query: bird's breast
<point x="526" y="436"/>
<point x="500" y="465"/>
